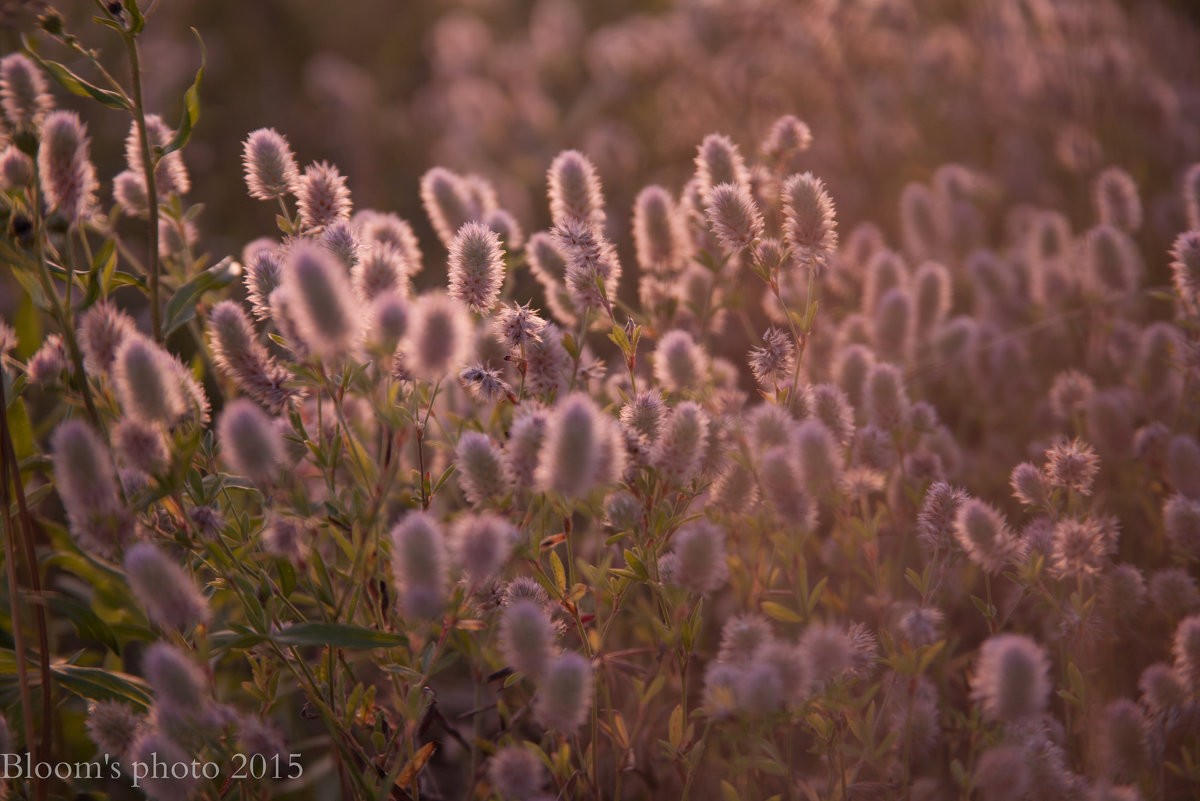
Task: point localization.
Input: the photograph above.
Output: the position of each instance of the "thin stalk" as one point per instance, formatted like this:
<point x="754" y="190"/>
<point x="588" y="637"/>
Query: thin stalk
<point x="139" y="116"/>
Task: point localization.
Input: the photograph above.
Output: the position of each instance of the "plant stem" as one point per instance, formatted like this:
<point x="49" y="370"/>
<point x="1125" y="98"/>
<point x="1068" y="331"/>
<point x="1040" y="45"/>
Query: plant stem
<point x="139" y="116"/>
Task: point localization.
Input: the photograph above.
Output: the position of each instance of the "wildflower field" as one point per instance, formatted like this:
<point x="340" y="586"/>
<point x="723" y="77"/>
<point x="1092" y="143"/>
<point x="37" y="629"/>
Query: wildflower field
<point x="517" y="400"/>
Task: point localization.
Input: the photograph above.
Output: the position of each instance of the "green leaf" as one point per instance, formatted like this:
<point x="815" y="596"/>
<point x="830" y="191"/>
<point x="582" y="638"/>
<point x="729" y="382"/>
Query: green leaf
<point x="560" y="575"/>
<point x="191" y="101"/>
<point x="339" y="636"/>
<point x="136" y="20"/>
<point x="780" y="612"/>
<point x="78" y="86"/>
<point x="98" y="684"/>
<point x="182" y="306"/>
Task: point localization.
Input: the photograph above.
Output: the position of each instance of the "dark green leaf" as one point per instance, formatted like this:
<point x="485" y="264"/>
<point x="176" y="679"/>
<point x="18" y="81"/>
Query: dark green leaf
<point x="191" y="102"/>
<point x="339" y="636"/>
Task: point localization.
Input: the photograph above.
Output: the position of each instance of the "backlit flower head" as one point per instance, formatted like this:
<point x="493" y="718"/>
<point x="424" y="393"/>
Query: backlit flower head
<point x="24" y="96"/>
<point x="1012" y="680"/>
<point x="734" y="217"/>
<point x="322" y="197"/>
<point x="480" y="468"/>
<point x="984" y="534"/>
<point x="697" y="559"/>
<point x="809" y="226"/>
<point x="65" y="167"/>
<point x="1116" y="199"/>
<point x="574" y="189"/>
<point x="419" y="565"/>
<point x="476" y="266"/>
<point x="320" y="300"/>
<point x="250" y="442"/>
<point x="270" y="167"/>
<point x="1072" y="465"/>
<point x="440" y="337"/>
<point x="166" y="591"/>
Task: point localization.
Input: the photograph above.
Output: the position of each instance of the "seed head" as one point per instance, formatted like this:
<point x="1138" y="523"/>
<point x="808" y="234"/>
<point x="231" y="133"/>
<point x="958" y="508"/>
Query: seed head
<point x="165" y="589"/>
<point x="719" y="162"/>
<point x="548" y="366"/>
<point x="923" y="220"/>
<point x="440" y="337"/>
<point x="1114" y="266"/>
<point x="527" y="637"/>
<point x="271" y="170"/>
<point x="574" y="188"/>
<point x="658" y="231"/>
<point x="480" y="468"/>
<point x="578" y="439"/>
<point x="697" y="560"/>
<point x="481" y="545"/>
<point x="419" y="565"/>
<point x="780" y="480"/>
<point x="1011" y="678"/>
<point x="1028" y="483"/>
<point x="250" y="442"/>
<point x="141" y="445"/>
<point x="170" y="175"/>
<point x="679" y="451"/>
<point x="374" y="228"/>
<point x="1181" y="520"/>
<point x="24" y="97"/>
<point x="809" y="227"/>
<point x="238" y="354"/>
<point x="1186" y="649"/>
<point x="787" y="137"/>
<point x="775" y="361"/>
<point x="146" y="381"/>
<point x="476" y="266"/>
<point x="819" y="456"/>
<point x="679" y="363"/>
<point x="485" y="384"/>
<point x="153" y="746"/>
<point x="1072" y="465"/>
<point x="1185" y="270"/>
<point x="893" y="325"/>
<point x="322" y="197"/>
<point x="67" y="174"/>
<point x="519" y="326"/>
<point x="590" y="258"/>
<point x="1003" y="775"/>
<point x="734" y="217"/>
<point x="447" y="202"/>
<point x="885" y="399"/>
<point x="1116" y="198"/>
<point x="86" y="484"/>
<point x="1162" y="688"/>
<point x="16" y="169"/>
<point x="524" y="446"/>
<point x="516" y="773"/>
<point x="320" y="301"/>
<point x="1082" y="547"/>
<point x="113" y="727"/>
<point x="565" y="693"/>
<point x="984" y="534"/>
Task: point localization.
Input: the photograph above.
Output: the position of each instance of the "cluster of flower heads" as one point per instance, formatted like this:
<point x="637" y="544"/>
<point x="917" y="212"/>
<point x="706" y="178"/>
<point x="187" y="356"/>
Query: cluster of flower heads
<point x="866" y="436"/>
